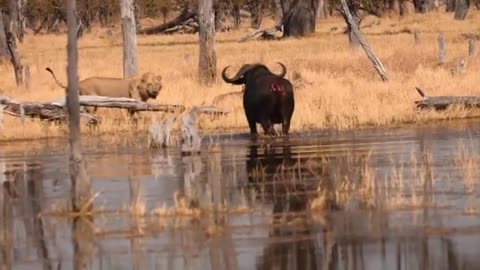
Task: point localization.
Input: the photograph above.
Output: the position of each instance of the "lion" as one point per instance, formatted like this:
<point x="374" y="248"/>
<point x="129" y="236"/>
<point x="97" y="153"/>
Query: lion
<point x="140" y="88"/>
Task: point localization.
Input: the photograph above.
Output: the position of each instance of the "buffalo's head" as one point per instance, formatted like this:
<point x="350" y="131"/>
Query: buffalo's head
<point x="248" y="69"/>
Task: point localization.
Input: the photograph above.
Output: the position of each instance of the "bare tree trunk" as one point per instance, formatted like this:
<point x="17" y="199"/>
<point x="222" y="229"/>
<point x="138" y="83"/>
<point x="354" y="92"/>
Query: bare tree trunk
<point x="219" y="13"/>
<point x="278" y="12"/>
<point x="15" y="58"/>
<point x="403" y="7"/>
<point x="4" y="53"/>
<point x="299" y="17"/>
<point x="472" y="46"/>
<point x="450" y="5"/>
<point x="371" y="56"/>
<point x="130" y="66"/>
<point x="442" y="51"/>
<point x="461" y="9"/>
<point x="321" y="9"/>
<point x="395" y="7"/>
<point x="17" y="20"/>
<point x="136" y="12"/>
<point x="256" y="11"/>
<point x="423" y="6"/>
<point x="237" y="20"/>
<point x="13" y="55"/>
<point x="353" y="8"/>
<point x="22" y="21"/>
<point x="81" y="192"/>
<point x="208" y="58"/>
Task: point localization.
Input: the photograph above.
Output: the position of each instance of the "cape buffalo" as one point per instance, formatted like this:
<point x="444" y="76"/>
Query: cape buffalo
<point x="267" y="99"/>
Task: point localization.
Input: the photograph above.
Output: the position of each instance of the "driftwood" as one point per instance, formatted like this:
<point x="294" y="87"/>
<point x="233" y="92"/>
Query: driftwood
<point x="262" y="34"/>
<point x="183" y="21"/>
<point x="443" y="102"/>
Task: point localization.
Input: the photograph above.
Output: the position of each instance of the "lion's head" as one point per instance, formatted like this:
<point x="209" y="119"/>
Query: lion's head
<point x="149" y="85"/>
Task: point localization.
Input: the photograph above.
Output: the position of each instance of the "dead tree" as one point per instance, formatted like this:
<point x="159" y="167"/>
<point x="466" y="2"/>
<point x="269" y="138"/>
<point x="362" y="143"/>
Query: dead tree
<point x="322" y="11"/>
<point x="237" y="19"/>
<point x="299" y="17"/>
<point x="4" y="53"/>
<point x="423" y="6"/>
<point x="363" y="42"/>
<point x="472" y="46"/>
<point x="461" y="9"/>
<point x="256" y="10"/>
<point x="130" y="66"/>
<point x="353" y="7"/>
<point x="16" y="8"/>
<point x="208" y="58"/>
<point x="450" y="5"/>
<point x="78" y="175"/>
<point x="22" y="74"/>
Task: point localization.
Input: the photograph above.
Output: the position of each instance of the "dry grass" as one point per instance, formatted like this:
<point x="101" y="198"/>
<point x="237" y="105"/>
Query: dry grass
<point x="338" y="88"/>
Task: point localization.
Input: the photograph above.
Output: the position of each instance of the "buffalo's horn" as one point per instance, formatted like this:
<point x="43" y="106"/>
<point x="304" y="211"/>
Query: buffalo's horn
<point x="284" y="70"/>
<point x="239" y="74"/>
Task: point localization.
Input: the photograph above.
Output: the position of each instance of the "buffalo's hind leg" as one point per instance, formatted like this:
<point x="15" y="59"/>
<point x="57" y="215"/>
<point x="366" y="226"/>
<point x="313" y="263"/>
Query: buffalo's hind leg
<point x="285" y="127"/>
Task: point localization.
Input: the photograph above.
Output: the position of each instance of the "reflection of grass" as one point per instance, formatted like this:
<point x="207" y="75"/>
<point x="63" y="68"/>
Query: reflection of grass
<point x="335" y="88"/>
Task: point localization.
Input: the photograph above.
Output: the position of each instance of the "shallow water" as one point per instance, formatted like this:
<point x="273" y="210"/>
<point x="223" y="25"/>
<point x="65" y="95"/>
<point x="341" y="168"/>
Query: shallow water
<point x="403" y="198"/>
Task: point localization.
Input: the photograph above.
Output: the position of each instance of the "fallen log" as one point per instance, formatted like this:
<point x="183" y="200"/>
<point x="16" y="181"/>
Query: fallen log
<point x="122" y="103"/>
<point x="262" y="34"/>
<point x="443" y="102"/>
<point x="42" y="111"/>
<point x="185" y="16"/>
<point x="56" y="110"/>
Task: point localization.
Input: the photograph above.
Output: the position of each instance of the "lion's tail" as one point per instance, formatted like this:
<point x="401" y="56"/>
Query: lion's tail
<point x="55" y="78"/>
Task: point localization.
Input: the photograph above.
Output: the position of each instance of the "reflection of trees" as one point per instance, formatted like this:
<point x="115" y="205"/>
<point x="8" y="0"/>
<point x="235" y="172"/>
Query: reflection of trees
<point x="27" y="187"/>
<point x="24" y="194"/>
<point x="6" y="223"/>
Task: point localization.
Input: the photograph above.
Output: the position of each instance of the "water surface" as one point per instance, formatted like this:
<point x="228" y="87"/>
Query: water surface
<point x="403" y="198"/>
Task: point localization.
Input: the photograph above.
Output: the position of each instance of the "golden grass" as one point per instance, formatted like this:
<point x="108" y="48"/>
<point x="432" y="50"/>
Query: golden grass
<point x="338" y="88"/>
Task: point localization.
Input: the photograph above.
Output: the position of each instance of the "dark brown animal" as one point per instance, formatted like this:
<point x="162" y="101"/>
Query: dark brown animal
<point x="268" y="98"/>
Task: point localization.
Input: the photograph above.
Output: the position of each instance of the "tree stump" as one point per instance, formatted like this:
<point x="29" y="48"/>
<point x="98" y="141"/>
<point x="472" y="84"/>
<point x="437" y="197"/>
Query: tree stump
<point x="442" y="51"/>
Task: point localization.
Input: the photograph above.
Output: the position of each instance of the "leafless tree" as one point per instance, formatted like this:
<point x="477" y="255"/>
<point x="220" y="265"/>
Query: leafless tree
<point x="299" y="17"/>
<point x="81" y="193"/>
<point x="208" y="58"/>
<point x="461" y="9"/>
<point x="130" y="66"/>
